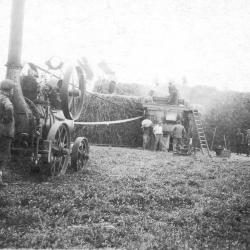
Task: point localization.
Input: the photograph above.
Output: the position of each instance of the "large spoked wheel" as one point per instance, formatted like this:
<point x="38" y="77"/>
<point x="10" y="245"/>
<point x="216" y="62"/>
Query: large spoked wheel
<point x="80" y="153"/>
<point x="72" y="93"/>
<point x="60" y="149"/>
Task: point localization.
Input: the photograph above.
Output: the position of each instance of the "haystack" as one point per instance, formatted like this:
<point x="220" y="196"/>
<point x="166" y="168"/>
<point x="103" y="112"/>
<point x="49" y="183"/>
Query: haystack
<point x="99" y="107"/>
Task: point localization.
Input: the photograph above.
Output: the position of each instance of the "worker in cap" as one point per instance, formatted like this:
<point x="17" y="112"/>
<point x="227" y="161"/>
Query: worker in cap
<point x="158" y="132"/>
<point x="7" y="85"/>
<point x="178" y="133"/>
<point x="7" y="125"/>
<point x="173" y="94"/>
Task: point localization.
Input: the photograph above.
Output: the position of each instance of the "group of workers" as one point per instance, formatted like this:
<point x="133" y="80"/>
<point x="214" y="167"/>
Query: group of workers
<point x="154" y="132"/>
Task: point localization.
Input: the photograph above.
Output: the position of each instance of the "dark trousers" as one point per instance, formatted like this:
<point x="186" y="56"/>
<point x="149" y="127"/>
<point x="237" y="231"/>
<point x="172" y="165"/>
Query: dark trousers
<point x="5" y="143"/>
<point x="158" y="142"/>
<point x="146" y="140"/>
<point x="238" y="148"/>
<point x="177" y="142"/>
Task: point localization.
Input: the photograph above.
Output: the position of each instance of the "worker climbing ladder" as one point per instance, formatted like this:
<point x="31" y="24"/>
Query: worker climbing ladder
<point x="201" y="133"/>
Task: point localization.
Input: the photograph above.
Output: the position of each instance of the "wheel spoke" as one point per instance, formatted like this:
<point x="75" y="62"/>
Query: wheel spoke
<point x="60" y="164"/>
<point x="63" y="137"/>
<point x="71" y="100"/>
<point x="73" y="83"/>
<point x="73" y="105"/>
<point x="53" y="166"/>
<point x="60" y="151"/>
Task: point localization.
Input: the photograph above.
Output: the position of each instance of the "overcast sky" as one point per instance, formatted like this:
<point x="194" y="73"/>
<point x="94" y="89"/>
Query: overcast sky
<point x="207" y="42"/>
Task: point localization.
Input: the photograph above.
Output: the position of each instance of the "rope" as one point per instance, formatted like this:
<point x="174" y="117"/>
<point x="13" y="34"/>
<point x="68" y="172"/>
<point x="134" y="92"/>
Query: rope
<point x="108" y="122"/>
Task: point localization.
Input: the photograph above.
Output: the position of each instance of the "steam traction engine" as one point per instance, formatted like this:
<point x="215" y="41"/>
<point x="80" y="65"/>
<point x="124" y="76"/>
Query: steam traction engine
<point x="45" y="104"/>
<point x="54" y="103"/>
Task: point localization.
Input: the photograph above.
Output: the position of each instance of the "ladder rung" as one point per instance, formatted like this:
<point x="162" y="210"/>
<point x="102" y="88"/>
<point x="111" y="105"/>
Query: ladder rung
<point x="200" y="132"/>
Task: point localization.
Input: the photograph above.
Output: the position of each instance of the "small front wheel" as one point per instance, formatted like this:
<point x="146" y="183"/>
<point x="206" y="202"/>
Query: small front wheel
<point x="80" y="153"/>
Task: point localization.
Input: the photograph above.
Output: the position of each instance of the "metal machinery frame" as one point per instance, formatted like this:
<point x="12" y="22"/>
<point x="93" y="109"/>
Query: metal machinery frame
<point x="45" y="105"/>
<point x="160" y="110"/>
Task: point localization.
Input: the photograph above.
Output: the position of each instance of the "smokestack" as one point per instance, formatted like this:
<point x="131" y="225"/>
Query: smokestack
<point x="14" y="65"/>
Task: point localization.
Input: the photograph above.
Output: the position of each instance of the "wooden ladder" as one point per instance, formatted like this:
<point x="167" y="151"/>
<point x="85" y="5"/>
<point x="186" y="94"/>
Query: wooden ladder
<point x="201" y="133"/>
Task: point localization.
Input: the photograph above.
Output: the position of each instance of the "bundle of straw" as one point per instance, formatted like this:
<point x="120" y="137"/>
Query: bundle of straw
<point x="99" y="107"/>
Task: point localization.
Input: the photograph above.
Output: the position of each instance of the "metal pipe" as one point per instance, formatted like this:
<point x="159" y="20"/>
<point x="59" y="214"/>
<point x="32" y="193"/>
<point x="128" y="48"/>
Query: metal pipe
<point x="16" y="33"/>
<point x="14" y="66"/>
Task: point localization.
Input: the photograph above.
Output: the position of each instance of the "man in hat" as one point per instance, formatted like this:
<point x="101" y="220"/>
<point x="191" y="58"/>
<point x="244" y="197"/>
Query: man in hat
<point x="178" y="133"/>
<point x="158" y="132"/>
<point x="7" y="124"/>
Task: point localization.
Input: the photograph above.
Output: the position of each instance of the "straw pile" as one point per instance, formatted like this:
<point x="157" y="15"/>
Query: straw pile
<point x="99" y="107"/>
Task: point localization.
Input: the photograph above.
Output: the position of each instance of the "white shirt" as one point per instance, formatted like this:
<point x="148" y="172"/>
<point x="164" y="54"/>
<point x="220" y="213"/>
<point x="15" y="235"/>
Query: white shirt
<point x="158" y="129"/>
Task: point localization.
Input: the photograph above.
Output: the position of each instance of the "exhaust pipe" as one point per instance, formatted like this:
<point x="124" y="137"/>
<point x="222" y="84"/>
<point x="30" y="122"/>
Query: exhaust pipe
<point x="22" y="112"/>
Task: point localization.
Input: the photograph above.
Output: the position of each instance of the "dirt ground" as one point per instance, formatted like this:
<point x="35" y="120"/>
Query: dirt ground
<point x="130" y="199"/>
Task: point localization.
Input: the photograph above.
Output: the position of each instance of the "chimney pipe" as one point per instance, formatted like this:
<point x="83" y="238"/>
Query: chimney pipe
<point x="14" y="66"/>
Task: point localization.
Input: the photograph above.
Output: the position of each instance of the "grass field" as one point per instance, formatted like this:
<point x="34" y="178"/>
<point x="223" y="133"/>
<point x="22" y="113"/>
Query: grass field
<point x="131" y="199"/>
